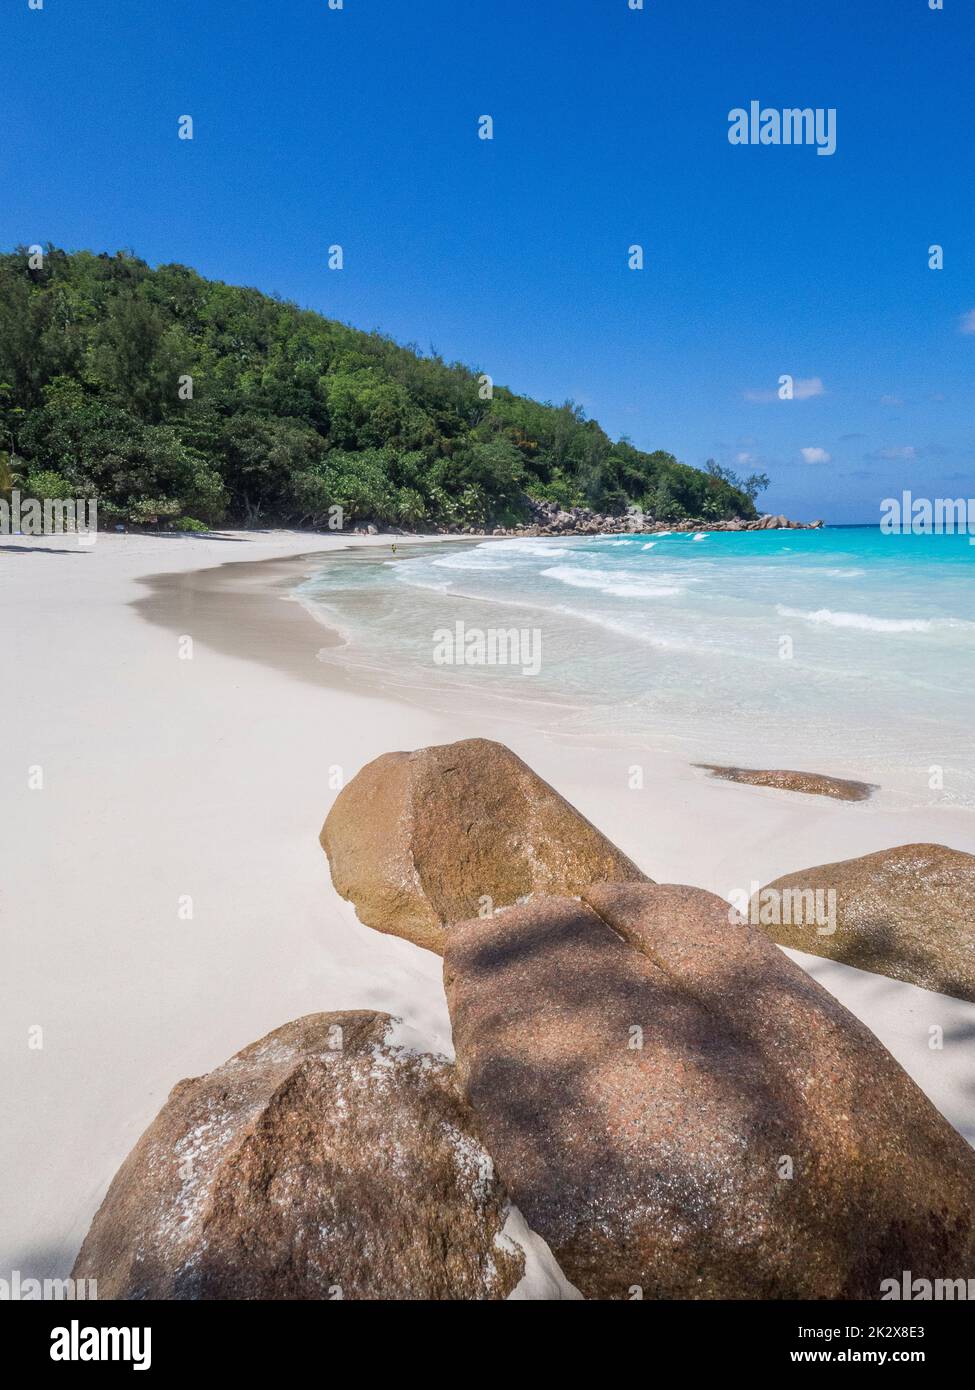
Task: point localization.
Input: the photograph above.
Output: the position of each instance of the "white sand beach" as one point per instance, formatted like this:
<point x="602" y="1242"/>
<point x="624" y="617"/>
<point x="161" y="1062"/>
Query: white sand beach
<point x="168" y="779"/>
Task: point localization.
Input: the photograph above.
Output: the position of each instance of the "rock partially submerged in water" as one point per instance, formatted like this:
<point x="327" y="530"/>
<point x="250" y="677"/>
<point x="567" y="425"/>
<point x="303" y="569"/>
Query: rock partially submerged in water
<point x="322" y="1162"/>
<point x="420" y="840"/>
<point x="676" y="1107"/>
<point x="783" y="779"/>
<point x="907" y="912"/>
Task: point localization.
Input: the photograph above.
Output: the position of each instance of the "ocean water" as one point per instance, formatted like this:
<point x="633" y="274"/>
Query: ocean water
<point x="842" y="650"/>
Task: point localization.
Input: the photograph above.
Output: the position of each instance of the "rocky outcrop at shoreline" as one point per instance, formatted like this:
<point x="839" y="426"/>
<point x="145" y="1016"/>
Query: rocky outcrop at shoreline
<point x="549" y="519"/>
<point x="907" y="912"/>
<point x="323" y="1162"/>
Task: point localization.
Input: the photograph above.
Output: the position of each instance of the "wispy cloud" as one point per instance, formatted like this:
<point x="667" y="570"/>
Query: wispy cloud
<point x="811" y="386"/>
<point x="967" y="324"/>
<point x="815" y="456"/>
<point x="802" y="390"/>
<point x="902" y="453"/>
<point x="891" y="400"/>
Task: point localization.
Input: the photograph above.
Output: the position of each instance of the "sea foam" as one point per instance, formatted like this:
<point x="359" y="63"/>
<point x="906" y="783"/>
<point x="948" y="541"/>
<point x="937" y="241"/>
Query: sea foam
<point x="864" y="622"/>
<point x="622" y="583"/>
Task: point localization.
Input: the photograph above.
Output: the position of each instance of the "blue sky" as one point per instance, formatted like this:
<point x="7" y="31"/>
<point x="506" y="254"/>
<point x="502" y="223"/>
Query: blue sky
<point x="359" y="126"/>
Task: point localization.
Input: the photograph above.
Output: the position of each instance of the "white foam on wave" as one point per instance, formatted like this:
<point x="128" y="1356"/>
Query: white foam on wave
<point x="623" y="583"/>
<point x="465" y="560"/>
<point x="529" y="546"/>
<point x="641" y="590"/>
<point x="405" y="576"/>
<point x="649" y="545"/>
<point x="630" y="631"/>
<point x="864" y="622"/>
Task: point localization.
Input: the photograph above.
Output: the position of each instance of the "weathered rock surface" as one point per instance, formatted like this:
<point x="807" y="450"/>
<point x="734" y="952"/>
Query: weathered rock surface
<point x="907" y="912"/>
<point x="420" y="840"/>
<point x="647" y="1076"/>
<point x="321" y="1162"/>
<point x="782" y="779"/>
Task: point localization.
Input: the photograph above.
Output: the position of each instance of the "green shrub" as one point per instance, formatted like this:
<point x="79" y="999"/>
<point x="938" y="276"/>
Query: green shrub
<point x="148" y="511"/>
<point x="48" y="484"/>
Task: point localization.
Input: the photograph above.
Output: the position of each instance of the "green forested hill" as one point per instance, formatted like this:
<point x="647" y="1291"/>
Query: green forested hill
<point x="286" y="414"/>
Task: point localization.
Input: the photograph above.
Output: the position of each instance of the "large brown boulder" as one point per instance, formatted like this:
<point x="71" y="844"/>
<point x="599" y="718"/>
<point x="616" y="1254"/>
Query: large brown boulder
<point x="907" y="912"/>
<point x="322" y="1162"/>
<point x="677" y="1108"/>
<point x="420" y="840"/>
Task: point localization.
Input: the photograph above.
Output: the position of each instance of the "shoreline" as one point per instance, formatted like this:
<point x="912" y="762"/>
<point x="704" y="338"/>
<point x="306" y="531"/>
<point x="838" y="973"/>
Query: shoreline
<point x="248" y="611"/>
<point x="249" y="608"/>
<point x="239" y="606"/>
<point x="210" y="779"/>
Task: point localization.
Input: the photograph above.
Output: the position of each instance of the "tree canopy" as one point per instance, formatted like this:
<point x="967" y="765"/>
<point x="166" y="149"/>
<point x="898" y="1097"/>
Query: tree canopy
<point x="169" y="396"/>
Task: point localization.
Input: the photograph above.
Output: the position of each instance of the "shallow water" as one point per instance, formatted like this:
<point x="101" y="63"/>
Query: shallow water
<point x="840" y="650"/>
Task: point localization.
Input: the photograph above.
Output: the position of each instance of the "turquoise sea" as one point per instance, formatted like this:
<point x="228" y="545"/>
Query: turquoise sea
<point x="841" y="650"/>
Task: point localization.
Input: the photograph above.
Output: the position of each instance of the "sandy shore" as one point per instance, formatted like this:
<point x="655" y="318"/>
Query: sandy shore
<point x="167" y="779"/>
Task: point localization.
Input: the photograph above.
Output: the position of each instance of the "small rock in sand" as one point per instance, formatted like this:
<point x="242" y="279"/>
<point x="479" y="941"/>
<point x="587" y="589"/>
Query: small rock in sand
<point x="782" y="779"/>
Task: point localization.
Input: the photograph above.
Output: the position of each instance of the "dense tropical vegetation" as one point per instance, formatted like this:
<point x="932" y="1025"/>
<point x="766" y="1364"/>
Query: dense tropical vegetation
<point x="184" y="401"/>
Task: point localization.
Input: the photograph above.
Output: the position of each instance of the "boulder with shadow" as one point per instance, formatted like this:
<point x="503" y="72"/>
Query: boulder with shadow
<point x="682" y="1112"/>
<point x="907" y="912"/>
<point x="323" y="1162"/>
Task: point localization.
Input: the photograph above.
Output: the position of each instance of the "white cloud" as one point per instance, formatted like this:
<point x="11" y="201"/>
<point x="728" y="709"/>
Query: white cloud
<point x="815" y="456"/>
<point x="891" y="400"/>
<point x="744" y="457"/>
<point x="967" y="324"/>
